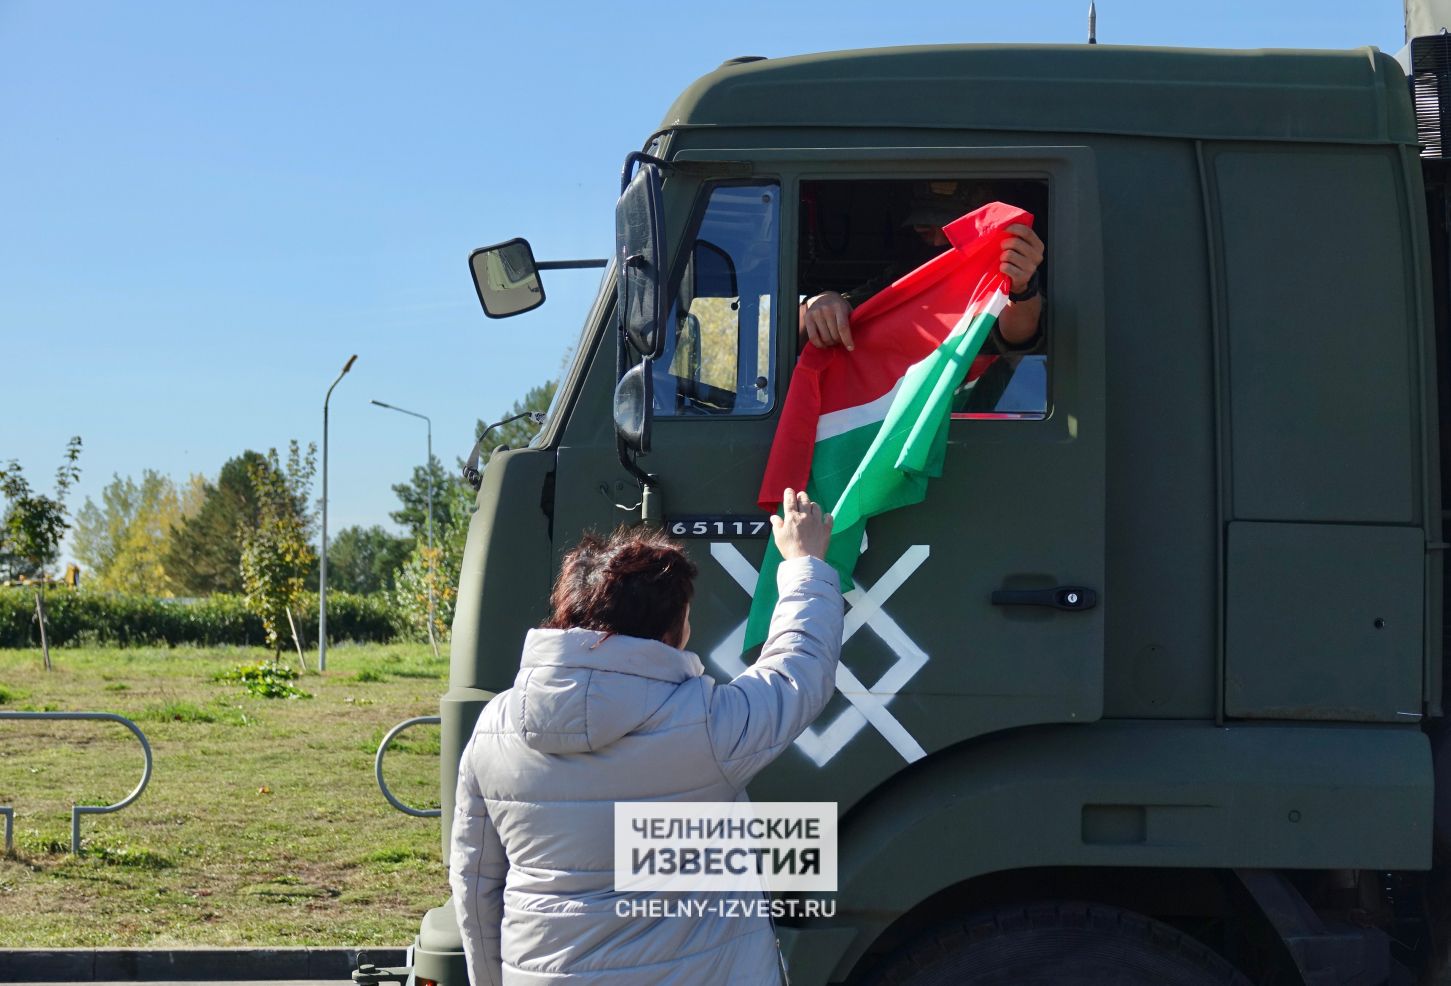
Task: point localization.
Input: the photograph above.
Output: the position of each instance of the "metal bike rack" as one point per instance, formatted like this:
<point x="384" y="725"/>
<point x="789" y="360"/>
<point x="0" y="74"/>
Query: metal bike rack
<point x="78" y="810"/>
<point x="378" y="767"/>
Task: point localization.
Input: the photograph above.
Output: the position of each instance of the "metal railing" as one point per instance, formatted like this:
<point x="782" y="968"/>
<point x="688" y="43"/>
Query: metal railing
<point x="378" y="767"/>
<point x="78" y="810"/>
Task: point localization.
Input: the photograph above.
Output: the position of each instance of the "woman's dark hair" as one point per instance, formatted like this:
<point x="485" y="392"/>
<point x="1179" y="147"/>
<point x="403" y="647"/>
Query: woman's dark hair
<point x="636" y="582"/>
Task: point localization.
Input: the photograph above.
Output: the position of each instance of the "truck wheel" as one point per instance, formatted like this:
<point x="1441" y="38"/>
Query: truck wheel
<point x="1056" y="944"/>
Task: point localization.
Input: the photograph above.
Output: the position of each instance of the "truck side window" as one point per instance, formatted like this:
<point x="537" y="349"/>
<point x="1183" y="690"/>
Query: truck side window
<point x="719" y="347"/>
<point x="858" y="236"/>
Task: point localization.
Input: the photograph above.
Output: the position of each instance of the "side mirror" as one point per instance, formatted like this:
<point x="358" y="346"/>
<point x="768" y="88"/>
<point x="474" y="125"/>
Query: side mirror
<point x="639" y="251"/>
<point x="506" y="278"/>
<point x="633" y="396"/>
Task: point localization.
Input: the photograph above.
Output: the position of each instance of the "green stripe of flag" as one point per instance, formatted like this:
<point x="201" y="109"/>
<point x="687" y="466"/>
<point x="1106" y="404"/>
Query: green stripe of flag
<point x="882" y="464"/>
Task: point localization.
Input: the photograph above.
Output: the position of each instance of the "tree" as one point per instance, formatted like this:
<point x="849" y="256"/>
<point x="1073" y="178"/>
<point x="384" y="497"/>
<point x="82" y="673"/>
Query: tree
<point x="33" y="525"/>
<point x="451" y="498"/>
<point x="413" y="494"/>
<point x="100" y="530"/>
<point x="276" y="555"/>
<point x="437" y="569"/>
<point x="203" y="555"/>
<point x="518" y="434"/>
<point x="123" y="541"/>
<point x="366" y="559"/>
<point x="453" y="504"/>
<point x="450" y="491"/>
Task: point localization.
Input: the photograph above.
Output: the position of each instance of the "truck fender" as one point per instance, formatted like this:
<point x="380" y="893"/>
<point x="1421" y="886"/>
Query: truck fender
<point x="1132" y="793"/>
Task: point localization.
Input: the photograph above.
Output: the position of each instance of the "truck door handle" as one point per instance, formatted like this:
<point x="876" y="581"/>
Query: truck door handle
<point x="1070" y="597"/>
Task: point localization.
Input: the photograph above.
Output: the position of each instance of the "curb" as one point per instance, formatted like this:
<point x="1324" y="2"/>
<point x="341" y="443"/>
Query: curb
<point x="128" y="964"/>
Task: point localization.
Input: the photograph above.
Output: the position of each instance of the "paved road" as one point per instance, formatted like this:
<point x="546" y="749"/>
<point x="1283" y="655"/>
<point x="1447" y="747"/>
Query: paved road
<point x="194" y="966"/>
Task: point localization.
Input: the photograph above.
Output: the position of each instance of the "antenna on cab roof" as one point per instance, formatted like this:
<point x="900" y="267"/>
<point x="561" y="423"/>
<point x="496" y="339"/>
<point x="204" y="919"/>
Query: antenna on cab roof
<point x="1092" y="22"/>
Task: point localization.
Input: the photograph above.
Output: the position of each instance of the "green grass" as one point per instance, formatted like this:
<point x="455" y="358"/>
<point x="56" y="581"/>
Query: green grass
<point x="262" y="823"/>
<point x="394" y="855"/>
<point x="124" y="855"/>
<point x="177" y="711"/>
<point x="420" y="739"/>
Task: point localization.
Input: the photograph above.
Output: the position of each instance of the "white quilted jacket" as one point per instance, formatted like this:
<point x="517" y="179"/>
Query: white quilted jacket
<point x="592" y="720"/>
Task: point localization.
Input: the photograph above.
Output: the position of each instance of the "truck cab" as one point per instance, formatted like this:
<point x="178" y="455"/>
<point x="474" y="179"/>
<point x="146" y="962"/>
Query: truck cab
<point x="1228" y="430"/>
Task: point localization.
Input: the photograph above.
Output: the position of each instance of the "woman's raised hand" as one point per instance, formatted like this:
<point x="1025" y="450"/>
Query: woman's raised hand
<point x="801" y="528"/>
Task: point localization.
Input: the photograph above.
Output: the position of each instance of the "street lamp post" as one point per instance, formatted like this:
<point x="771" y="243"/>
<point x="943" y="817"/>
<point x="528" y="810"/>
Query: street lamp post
<point x="428" y="471"/>
<point x="322" y="566"/>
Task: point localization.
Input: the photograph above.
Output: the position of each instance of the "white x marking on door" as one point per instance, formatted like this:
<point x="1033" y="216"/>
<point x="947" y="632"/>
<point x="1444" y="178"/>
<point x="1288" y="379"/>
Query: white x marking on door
<point x="868" y="705"/>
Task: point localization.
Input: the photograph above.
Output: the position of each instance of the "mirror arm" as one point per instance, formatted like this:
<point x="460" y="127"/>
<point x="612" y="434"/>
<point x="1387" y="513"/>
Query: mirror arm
<point x="650" y="509"/>
<point x="651" y="512"/>
<point x="569" y="264"/>
<point x="638" y="157"/>
<point x="471" y="472"/>
<point x="719" y="169"/>
<point x="632" y="467"/>
<point x="649" y="499"/>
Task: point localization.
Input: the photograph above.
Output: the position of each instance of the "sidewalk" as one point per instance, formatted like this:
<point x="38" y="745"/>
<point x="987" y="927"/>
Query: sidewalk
<point x="233" y="965"/>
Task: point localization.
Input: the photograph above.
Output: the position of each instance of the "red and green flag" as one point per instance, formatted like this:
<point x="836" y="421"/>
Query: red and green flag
<point x="862" y="431"/>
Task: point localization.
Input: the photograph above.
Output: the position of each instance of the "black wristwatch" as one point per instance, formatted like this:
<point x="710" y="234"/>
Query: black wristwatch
<point x="1029" y="292"/>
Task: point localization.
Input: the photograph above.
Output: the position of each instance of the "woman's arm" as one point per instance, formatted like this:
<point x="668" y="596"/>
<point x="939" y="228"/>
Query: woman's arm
<point x="476" y="869"/>
<point x="753" y="718"/>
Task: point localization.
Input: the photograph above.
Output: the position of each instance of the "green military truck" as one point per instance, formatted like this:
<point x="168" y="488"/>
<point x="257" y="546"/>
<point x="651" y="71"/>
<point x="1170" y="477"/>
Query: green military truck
<point x="1220" y="763"/>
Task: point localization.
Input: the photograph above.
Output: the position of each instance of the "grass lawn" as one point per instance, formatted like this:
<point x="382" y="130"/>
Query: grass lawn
<point x="262" y="823"/>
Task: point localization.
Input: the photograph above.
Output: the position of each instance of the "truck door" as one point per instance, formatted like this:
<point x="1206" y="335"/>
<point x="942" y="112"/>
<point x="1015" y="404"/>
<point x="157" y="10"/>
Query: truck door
<point x="930" y="659"/>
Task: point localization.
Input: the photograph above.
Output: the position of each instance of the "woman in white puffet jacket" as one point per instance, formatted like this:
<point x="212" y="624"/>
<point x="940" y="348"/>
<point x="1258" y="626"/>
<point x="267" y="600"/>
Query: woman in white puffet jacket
<point x="608" y="706"/>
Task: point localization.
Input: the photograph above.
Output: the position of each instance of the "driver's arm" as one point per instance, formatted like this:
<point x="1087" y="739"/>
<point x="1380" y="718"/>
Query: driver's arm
<point x="825" y="319"/>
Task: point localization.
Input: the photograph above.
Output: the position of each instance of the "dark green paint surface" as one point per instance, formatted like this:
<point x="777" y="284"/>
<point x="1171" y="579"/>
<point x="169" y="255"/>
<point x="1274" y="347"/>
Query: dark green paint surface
<point x="1322" y="403"/>
<point x="1341" y="96"/>
<point x="1313" y="634"/>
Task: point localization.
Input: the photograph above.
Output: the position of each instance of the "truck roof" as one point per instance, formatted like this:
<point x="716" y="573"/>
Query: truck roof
<point x="1357" y="96"/>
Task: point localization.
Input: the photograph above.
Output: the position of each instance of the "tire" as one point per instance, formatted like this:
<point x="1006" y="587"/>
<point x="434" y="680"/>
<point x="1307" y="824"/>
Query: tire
<point x="1056" y="943"/>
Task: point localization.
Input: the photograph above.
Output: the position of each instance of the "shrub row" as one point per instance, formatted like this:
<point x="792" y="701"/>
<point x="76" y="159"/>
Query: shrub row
<point x="101" y="619"/>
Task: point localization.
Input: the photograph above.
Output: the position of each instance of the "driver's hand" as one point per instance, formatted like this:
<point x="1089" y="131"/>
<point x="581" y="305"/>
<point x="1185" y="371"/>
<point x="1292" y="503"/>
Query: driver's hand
<point x="1022" y="253"/>
<point x="826" y="320"/>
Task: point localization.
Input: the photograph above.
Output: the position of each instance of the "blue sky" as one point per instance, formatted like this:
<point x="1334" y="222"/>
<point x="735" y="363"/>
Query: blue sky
<point x="205" y="208"/>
